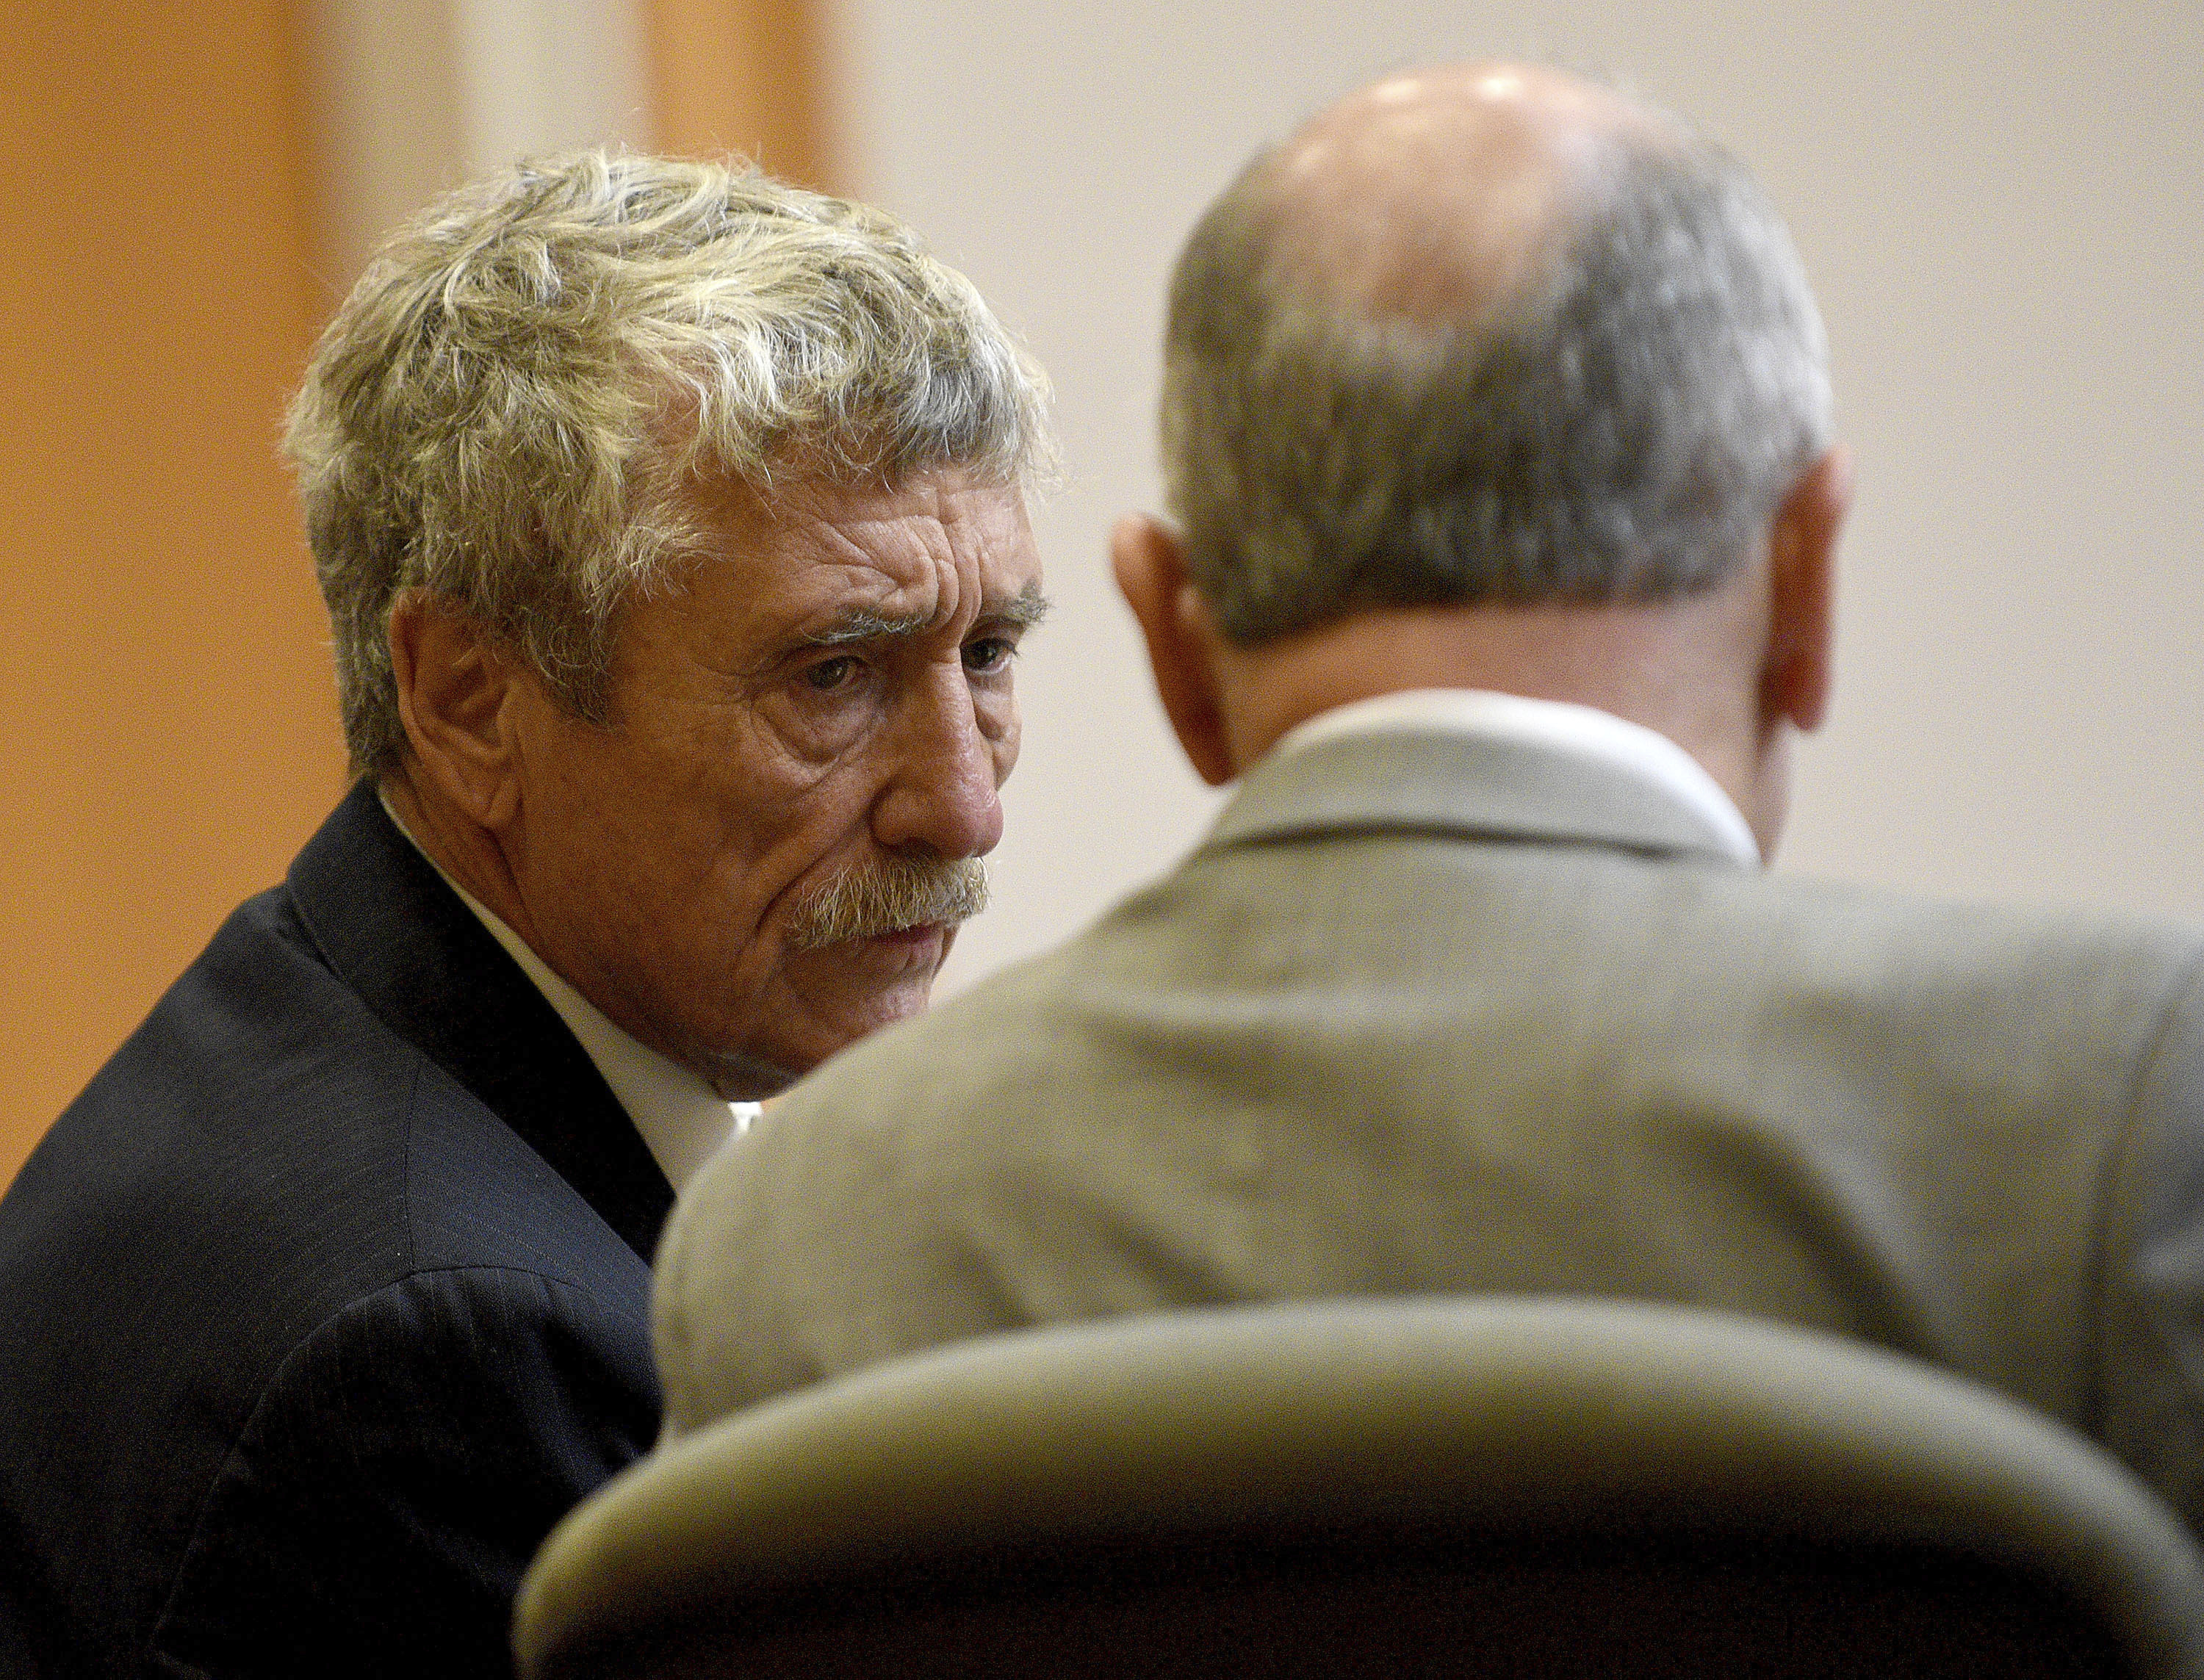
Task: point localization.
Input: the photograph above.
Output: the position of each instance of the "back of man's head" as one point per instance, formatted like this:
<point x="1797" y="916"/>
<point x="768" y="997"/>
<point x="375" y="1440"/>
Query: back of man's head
<point x="1490" y="378"/>
<point x="1355" y="415"/>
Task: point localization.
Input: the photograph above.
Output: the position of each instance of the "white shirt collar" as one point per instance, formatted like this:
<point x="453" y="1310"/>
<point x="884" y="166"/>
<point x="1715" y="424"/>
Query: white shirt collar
<point x="682" y="1120"/>
<point x="1582" y="732"/>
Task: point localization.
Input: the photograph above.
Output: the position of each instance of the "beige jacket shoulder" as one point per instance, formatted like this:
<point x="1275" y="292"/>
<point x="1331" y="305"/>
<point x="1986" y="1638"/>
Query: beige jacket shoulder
<point x="1429" y="1014"/>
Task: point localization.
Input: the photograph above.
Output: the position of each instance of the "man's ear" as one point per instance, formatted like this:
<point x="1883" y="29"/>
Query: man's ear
<point x="1802" y="562"/>
<point x="1150" y="562"/>
<point x="456" y="694"/>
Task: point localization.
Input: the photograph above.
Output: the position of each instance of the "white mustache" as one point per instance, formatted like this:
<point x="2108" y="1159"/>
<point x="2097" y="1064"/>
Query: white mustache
<point x="888" y="895"/>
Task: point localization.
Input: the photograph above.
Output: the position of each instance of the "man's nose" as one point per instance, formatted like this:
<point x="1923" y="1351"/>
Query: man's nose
<point x="940" y="796"/>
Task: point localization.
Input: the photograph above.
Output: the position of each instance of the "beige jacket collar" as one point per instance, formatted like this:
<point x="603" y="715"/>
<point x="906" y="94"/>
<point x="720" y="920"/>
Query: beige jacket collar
<point x="1525" y="769"/>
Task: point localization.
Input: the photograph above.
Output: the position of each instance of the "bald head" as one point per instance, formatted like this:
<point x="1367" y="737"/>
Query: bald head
<point x="1434" y="196"/>
<point x="1489" y="376"/>
<point x="1485" y="333"/>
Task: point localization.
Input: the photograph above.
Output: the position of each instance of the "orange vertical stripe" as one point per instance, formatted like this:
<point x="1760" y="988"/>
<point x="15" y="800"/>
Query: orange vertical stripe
<point x="749" y="76"/>
<point x="170" y="733"/>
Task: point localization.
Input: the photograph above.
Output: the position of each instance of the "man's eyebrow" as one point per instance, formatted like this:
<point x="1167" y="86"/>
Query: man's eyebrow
<point x="863" y="624"/>
<point x="1022" y="611"/>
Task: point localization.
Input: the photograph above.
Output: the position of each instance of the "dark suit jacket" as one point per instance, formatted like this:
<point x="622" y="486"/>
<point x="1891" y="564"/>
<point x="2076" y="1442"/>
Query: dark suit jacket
<point x="323" y="1303"/>
<point x="1430" y="1014"/>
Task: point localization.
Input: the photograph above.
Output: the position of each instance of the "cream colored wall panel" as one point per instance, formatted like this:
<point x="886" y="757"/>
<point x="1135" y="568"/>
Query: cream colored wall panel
<point x="2002" y="206"/>
<point x="411" y="97"/>
<point x="546" y="75"/>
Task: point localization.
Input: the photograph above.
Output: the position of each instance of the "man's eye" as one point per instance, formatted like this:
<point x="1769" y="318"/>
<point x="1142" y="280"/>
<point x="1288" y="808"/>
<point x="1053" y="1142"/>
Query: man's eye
<point x="988" y="654"/>
<point x="828" y="675"/>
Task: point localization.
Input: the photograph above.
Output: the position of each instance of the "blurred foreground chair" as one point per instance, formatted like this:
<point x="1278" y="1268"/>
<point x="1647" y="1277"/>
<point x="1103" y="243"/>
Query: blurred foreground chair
<point x="1506" y="1487"/>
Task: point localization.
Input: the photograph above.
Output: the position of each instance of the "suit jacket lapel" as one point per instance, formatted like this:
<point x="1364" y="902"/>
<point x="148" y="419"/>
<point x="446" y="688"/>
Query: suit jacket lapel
<point x="419" y="959"/>
<point x="1447" y="782"/>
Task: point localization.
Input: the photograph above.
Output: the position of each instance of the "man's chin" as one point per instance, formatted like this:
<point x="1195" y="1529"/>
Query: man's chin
<point x="749" y="1076"/>
<point x="827" y="1006"/>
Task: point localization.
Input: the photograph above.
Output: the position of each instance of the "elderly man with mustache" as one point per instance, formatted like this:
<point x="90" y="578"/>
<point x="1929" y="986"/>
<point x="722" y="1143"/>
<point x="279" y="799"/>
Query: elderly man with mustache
<point x="671" y="525"/>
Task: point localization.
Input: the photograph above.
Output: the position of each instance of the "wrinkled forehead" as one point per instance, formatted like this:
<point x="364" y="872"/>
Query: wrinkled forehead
<point x="769" y="578"/>
<point x="933" y="546"/>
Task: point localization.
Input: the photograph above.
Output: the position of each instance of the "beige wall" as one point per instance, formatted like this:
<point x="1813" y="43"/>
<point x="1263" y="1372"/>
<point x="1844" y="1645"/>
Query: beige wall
<point x="411" y="97"/>
<point x="2001" y="205"/>
<point x="187" y="191"/>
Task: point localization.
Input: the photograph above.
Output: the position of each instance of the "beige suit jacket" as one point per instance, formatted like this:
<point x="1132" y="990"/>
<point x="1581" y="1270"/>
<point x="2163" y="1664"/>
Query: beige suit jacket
<point x="1429" y="1013"/>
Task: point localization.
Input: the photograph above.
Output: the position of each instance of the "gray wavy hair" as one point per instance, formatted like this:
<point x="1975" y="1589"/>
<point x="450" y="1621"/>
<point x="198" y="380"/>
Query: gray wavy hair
<point x="508" y="409"/>
<point x="1620" y="435"/>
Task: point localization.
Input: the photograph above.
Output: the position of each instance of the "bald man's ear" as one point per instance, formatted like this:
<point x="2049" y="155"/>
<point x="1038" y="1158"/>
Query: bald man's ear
<point x="1150" y="562"/>
<point x="1802" y="566"/>
<point x="456" y="694"/>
